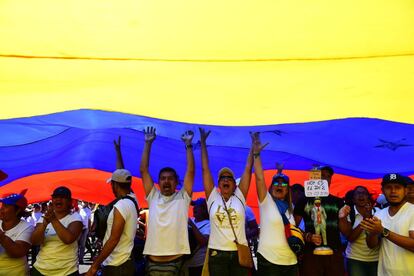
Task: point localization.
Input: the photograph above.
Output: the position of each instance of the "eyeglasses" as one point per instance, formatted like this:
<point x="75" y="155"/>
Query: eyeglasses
<point x="226" y="177"/>
<point x="280" y="184"/>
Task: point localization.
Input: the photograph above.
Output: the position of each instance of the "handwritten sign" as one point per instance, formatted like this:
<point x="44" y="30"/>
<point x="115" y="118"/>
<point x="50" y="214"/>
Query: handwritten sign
<point x="316" y="188"/>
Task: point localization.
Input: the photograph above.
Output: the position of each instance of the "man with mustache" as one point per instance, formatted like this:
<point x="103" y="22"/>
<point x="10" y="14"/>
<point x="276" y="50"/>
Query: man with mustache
<point x="393" y="229"/>
<point x="167" y="232"/>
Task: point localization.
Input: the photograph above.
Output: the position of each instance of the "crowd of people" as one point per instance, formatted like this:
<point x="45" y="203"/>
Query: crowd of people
<point x="351" y="237"/>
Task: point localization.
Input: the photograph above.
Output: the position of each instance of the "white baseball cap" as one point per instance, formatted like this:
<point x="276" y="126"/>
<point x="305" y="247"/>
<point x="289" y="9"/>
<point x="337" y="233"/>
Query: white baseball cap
<point x="120" y="176"/>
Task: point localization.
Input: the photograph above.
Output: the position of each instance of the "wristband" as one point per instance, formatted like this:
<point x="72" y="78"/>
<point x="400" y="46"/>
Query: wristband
<point x="188" y="146"/>
<point x="255" y="155"/>
<point x="385" y="232"/>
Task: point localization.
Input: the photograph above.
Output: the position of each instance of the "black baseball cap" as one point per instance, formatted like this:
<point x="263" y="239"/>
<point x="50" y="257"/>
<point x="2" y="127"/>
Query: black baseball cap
<point x="409" y="180"/>
<point x="62" y="191"/>
<point x="394" y="178"/>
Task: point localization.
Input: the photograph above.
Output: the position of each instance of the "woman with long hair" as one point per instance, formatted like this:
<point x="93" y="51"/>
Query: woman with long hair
<point x="274" y="254"/>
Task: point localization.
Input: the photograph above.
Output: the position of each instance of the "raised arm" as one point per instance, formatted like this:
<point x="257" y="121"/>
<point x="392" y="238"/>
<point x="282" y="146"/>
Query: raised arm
<point x="258" y="169"/>
<point x="344" y="226"/>
<point x="150" y="135"/>
<point x="187" y="138"/>
<point x="247" y="174"/>
<point x="207" y="178"/>
<point x="119" y="159"/>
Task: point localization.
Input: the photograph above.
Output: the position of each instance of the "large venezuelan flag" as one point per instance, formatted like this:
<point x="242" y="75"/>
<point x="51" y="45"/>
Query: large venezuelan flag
<point x="326" y="82"/>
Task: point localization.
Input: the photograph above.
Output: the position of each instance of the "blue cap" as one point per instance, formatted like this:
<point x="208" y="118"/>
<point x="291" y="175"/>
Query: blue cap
<point x="15" y="199"/>
<point x="282" y="176"/>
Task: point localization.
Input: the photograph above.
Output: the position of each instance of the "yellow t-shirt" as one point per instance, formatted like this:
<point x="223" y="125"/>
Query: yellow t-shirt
<point x="55" y="257"/>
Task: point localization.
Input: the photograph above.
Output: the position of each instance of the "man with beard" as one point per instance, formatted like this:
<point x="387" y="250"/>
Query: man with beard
<point x="320" y="265"/>
<point x="167" y="232"/>
<point x="393" y="229"/>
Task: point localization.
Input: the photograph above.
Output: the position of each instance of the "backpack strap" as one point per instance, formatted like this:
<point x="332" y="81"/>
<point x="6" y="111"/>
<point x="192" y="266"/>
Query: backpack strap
<point x="352" y="215"/>
<point x="133" y="200"/>
<point x="231" y="223"/>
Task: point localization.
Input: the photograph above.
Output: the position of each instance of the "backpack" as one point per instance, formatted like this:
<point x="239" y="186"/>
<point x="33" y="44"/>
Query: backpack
<point x="102" y="213"/>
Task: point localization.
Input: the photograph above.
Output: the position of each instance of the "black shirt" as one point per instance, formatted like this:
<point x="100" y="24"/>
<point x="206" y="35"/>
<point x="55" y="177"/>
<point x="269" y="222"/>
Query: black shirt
<point x="332" y="205"/>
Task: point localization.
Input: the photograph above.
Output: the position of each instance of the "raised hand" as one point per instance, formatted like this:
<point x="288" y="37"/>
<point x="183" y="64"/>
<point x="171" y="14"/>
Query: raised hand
<point x="117" y="145"/>
<point x="149" y="134"/>
<point x="187" y="137"/>
<point x="257" y="145"/>
<point x="203" y="135"/>
<point x="49" y="215"/>
<point x="344" y="212"/>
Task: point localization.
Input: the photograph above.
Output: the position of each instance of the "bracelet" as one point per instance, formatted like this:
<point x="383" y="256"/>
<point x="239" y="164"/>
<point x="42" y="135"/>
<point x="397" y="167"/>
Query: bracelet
<point x="255" y="155"/>
<point x="189" y="146"/>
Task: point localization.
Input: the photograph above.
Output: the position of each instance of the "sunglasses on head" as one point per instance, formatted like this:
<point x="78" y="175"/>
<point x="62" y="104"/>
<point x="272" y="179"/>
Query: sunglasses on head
<point x="226" y="177"/>
<point x="280" y="184"/>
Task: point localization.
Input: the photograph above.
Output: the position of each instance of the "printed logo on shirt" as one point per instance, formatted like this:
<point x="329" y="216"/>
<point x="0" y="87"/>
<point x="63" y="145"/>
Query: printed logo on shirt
<point x="223" y="219"/>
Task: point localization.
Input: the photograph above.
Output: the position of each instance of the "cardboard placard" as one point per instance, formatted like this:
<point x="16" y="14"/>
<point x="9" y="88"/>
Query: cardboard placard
<point x="316" y="188"/>
<point x="314" y="174"/>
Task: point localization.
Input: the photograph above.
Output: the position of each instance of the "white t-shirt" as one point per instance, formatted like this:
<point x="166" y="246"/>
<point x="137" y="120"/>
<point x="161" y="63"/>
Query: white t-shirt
<point x="31" y="221"/>
<point x="221" y="234"/>
<point x="122" y="250"/>
<point x="85" y="214"/>
<point x="167" y="228"/>
<point x="273" y="245"/>
<point x="198" y="258"/>
<point x="358" y="249"/>
<point x="36" y="216"/>
<point x="55" y="257"/>
<point x="393" y="259"/>
<point x="21" y="232"/>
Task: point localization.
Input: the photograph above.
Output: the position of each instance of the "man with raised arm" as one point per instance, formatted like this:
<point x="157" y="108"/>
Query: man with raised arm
<point x="118" y="242"/>
<point x="167" y="232"/>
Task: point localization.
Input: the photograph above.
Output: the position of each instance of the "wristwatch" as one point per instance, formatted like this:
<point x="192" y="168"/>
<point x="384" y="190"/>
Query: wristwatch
<point x="385" y="232"/>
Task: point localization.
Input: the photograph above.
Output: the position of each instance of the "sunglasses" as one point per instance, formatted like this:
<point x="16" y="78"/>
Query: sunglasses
<point x="226" y="177"/>
<point x="280" y="184"/>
